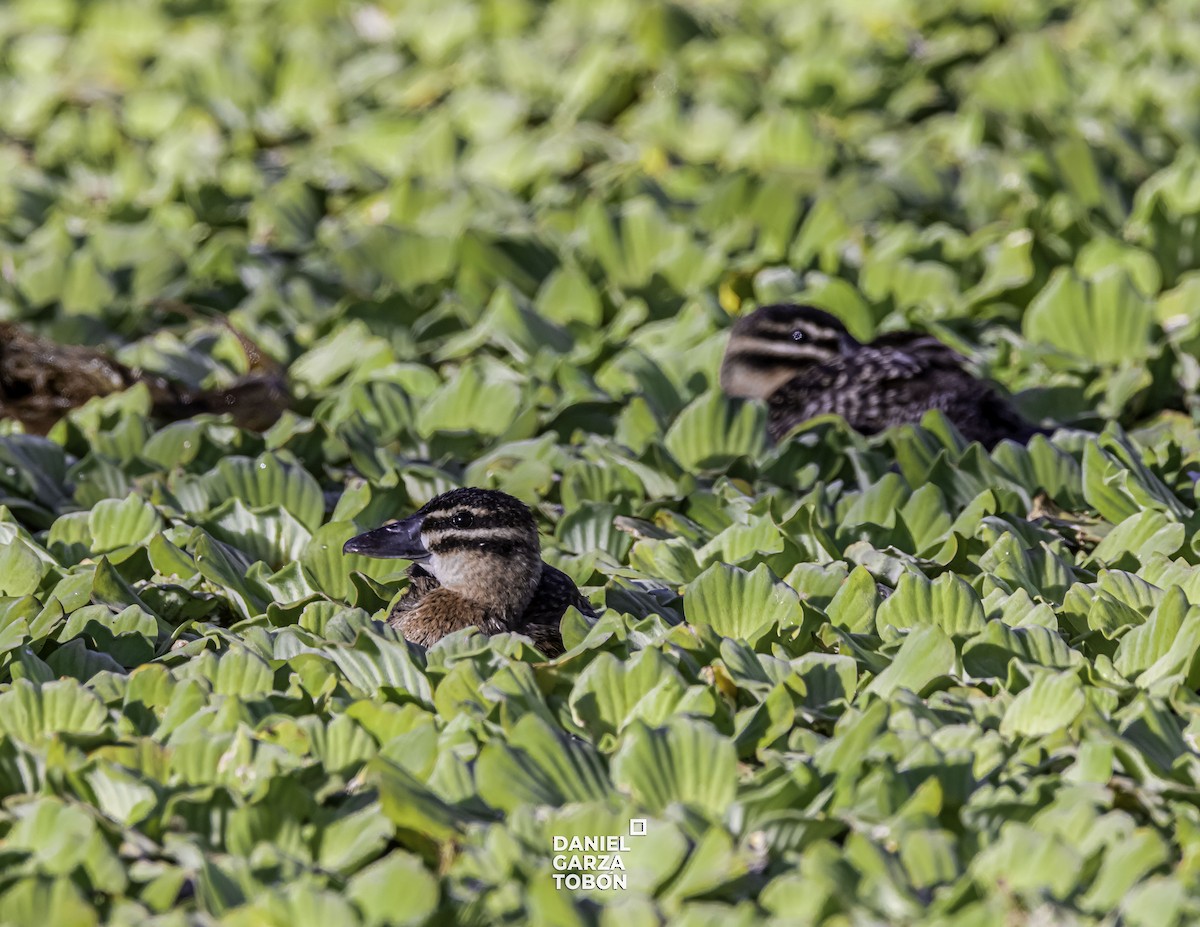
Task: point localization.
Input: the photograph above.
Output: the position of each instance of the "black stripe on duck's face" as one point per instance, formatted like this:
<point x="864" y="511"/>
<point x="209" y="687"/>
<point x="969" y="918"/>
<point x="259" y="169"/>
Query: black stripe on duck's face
<point x="401" y="540"/>
<point x="467" y="519"/>
<point x="815" y="333"/>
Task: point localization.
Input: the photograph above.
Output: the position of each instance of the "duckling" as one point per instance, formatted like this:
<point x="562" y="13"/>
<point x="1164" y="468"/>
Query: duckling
<point x="476" y="562"/>
<point x="805" y="363"/>
<point x="41" y="380"/>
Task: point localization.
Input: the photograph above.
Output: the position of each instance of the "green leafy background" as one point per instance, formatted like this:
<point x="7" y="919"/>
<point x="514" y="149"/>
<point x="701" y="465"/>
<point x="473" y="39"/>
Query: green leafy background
<point x="500" y="243"/>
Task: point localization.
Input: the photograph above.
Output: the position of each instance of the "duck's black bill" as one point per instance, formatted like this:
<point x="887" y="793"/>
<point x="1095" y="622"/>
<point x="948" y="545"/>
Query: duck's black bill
<point x="400" y="540"/>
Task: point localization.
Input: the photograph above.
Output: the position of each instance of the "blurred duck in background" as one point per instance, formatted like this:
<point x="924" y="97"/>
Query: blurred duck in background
<point x="42" y="380"/>
<point x="803" y="362"/>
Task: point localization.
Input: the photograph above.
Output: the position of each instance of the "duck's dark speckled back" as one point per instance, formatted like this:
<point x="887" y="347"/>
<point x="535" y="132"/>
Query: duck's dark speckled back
<point x="878" y="387"/>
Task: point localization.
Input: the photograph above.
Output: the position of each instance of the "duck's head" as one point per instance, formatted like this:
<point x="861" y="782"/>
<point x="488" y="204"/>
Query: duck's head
<point x="480" y="543"/>
<point x="773" y="343"/>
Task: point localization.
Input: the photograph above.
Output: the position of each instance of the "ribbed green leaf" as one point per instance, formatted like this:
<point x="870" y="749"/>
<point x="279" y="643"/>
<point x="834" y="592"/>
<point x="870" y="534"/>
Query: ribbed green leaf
<point x="687" y="761"/>
<point x="741" y="605"/>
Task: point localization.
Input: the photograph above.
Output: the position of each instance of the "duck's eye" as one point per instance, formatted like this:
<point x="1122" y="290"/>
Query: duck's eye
<point x="797" y="335"/>
<point x="462" y="520"/>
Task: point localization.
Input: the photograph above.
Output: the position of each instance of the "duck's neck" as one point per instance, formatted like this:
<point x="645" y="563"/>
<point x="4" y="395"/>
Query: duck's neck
<point x="503" y="592"/>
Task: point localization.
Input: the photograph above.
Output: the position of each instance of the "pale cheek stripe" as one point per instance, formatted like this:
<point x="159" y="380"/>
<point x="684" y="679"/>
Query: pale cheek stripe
<point x="770" y="348"/>
<point x="506" y="537"/>
<point x="756" y="358"/>
<point x="449" y="513"/>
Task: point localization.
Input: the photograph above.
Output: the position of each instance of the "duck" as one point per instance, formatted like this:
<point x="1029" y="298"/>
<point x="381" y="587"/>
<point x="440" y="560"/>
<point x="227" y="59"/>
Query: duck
<point x="804" y="362"/>
<point x="42" y="380"/>
<point x="476" y="562"/>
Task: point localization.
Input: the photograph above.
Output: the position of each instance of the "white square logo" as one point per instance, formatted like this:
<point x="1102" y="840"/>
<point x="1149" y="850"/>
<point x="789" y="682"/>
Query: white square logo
<point x="637" y="827"/>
